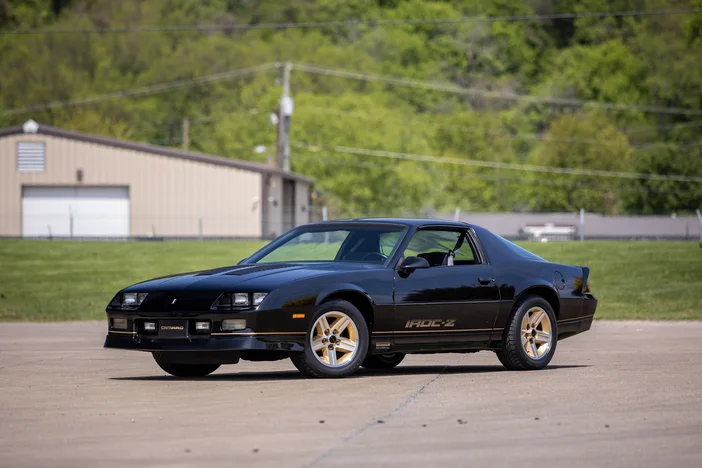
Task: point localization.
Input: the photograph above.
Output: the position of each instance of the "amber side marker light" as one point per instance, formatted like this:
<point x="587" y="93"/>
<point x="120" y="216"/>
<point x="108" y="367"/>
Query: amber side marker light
<point x="298" y="316"/>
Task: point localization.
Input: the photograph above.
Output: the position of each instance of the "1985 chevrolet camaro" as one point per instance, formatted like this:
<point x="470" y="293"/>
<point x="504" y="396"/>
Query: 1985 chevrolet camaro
<point x="338" y="295"/>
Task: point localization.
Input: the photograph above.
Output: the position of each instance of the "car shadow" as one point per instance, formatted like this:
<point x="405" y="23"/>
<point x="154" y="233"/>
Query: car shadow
<point x="362" y="373"/>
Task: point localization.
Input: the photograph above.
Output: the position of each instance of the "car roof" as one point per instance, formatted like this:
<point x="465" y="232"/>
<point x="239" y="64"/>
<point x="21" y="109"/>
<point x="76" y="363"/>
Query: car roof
<point x="400" y="221"/>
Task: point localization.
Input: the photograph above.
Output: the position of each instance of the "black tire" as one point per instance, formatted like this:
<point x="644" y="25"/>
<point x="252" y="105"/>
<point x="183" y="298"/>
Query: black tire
<point x="183" y="370"/>
<point x="383" y="361"/>
<point x="307" y="362"/>
<point x="512" y="355"/>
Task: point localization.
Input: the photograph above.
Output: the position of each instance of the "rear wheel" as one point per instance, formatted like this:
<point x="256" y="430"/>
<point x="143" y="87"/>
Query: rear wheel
<point x="529" y="341"/>
<point x="383" y="361"/>
<point x="336" y="343"/>
<point x="183" y="370"/>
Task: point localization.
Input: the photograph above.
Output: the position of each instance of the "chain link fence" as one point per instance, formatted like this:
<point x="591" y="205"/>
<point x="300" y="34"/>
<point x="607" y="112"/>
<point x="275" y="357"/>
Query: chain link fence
<point x="523" y="226"/>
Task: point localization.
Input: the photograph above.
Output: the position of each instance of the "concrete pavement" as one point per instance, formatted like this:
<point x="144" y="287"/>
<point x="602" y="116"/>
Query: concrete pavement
<point x="622" y="394"/>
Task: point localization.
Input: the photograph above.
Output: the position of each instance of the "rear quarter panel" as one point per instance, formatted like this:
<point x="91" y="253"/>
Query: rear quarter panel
<point x="561" y="284"/>
<point x="518" y="275"/>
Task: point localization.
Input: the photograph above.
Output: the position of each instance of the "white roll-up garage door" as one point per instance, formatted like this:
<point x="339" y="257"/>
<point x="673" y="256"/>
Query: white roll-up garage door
<point x="75" y="211"/>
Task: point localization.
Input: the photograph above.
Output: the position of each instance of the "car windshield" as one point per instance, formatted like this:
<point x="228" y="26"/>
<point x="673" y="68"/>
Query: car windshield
<point x="367" y="244"/>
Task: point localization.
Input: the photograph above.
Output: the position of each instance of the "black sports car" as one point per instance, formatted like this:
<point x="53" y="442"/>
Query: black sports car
<point x="337" y="295"/>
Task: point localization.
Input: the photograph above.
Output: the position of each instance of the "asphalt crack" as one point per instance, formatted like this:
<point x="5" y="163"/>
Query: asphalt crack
<point x="382" y="419"/>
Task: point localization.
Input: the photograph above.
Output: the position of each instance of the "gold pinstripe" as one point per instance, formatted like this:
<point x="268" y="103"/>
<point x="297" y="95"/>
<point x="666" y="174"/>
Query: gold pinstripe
<point x="460" y="330"/>
<point x="257" y="333"/>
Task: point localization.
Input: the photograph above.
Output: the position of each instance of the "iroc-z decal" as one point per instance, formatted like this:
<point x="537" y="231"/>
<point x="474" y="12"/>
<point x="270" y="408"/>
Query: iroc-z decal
<point x="430" y="323"/>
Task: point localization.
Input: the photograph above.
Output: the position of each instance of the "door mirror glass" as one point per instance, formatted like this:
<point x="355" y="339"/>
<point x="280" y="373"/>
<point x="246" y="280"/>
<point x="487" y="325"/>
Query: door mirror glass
<point x="414" y="263"/>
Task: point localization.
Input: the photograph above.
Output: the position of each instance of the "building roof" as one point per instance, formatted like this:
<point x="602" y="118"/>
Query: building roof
<point x="152" y="149"/>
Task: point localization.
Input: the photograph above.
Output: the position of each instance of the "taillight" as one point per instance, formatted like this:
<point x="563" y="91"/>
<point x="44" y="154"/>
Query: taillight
<point x="586" y="288"/>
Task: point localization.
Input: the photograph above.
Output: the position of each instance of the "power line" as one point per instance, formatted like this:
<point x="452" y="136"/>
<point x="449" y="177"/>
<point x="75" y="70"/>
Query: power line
<point x="486" y="131"/>
<point x="316" y="69"/>
<point x="353" y="23"/>
<point x="497" y="165"/>
<point x="142" y="91"/>
<point x="521" y="180"/>
<point x="492" y="132"/>
<point x="672" y="126"/>
<point x="452" y="88"/>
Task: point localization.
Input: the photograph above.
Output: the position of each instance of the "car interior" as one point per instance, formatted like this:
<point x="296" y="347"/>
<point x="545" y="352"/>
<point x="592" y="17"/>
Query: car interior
<point x="438" y="247"/>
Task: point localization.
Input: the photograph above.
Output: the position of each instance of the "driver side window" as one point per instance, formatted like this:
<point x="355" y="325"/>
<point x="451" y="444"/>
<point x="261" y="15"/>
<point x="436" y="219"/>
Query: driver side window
<point x="440" y="247"/>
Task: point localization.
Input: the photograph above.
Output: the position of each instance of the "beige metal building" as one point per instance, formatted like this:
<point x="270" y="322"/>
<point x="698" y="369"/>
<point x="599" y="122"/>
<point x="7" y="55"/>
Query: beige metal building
<point x="60" y="183"/>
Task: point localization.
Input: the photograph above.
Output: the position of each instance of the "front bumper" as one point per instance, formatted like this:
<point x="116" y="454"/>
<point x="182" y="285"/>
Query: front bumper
<point x="252" y="342"/>
<point x="176" y="332"/>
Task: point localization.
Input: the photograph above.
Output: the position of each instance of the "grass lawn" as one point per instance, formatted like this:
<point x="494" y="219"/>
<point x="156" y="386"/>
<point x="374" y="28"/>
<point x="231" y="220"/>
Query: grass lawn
<point x="63" y="280"/>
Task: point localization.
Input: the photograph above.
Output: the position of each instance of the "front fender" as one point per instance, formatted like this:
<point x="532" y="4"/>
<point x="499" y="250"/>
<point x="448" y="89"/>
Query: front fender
<point x="332" y="289"/>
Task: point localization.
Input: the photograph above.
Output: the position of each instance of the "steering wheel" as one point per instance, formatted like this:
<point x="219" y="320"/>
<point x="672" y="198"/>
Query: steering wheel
<point x="375" y="256"/>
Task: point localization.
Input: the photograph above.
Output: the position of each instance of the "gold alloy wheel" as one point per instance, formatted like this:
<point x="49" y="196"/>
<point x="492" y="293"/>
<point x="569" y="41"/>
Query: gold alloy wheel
<point x="536" y="333"/>
<point x="334" y="339"/>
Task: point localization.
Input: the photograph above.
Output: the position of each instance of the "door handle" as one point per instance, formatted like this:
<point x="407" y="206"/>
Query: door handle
<point x="485" y="280"/>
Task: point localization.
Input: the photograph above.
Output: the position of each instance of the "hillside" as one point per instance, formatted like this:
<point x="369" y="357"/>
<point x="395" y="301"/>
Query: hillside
<point x="605" y="93"/>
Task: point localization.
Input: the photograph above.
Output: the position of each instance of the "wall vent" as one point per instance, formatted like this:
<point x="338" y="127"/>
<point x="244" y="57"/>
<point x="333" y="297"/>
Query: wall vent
<point x="31" y="157"/>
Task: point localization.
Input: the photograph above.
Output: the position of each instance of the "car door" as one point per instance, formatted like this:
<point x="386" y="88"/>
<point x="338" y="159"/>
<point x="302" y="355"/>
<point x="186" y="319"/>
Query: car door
<point x="446" y="305"/>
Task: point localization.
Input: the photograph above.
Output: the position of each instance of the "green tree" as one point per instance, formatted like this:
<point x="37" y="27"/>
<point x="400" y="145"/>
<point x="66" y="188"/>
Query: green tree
<point x="581" y="142"/>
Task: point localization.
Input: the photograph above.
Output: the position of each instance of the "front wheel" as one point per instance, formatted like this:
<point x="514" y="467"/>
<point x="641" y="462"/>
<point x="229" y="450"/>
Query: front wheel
<point x="383" y="361"/>
<point x="184" y="370"/>
<point x="529" y="341"/>
<point x="336" y="342"/>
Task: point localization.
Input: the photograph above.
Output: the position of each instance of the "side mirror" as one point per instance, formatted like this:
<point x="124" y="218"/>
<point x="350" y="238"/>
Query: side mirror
<point x="413" y="263"/>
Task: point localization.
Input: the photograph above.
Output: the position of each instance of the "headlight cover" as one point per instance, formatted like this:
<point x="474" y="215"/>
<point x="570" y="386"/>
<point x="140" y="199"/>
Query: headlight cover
<point x="132" y="300"/>
<point x="232" y="301"/>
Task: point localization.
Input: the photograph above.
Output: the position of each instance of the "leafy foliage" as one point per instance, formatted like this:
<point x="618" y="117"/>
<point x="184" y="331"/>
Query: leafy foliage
<point x="637" y="60"/>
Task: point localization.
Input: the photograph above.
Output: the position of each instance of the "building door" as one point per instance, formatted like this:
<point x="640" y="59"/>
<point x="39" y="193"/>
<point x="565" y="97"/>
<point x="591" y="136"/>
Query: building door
<point x="288" y="205"/>
<point x="75" y="211"/>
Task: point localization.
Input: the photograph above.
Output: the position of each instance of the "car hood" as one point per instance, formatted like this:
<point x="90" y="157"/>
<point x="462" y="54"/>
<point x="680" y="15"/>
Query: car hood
<point x="261" y="277"/>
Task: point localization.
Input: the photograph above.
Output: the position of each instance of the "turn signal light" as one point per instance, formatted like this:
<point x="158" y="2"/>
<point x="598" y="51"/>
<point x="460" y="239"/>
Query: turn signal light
<point x="119" y="323"/>
<point x="233" y="324"/>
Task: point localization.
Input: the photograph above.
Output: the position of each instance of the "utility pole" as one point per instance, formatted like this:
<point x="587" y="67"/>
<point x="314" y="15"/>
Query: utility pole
<point x="186" y="133"/>
<point x="285" y="110"/>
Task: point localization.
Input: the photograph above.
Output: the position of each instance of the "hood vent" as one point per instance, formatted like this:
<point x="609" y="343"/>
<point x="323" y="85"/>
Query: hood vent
<point x="255" y="269"/>
<point x="216" y="271"/>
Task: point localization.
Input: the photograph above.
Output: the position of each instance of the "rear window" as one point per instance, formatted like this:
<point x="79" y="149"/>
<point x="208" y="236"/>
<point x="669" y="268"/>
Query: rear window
<point x="524" y="253"/>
